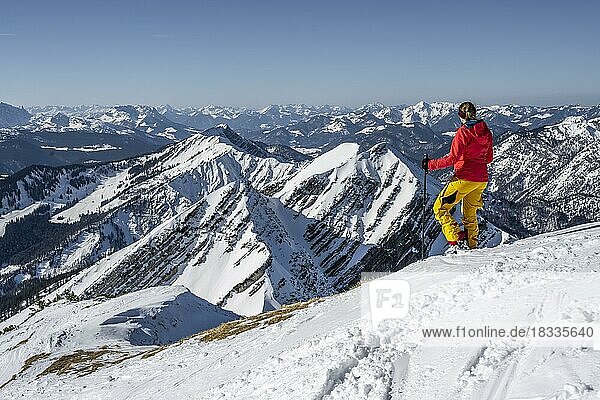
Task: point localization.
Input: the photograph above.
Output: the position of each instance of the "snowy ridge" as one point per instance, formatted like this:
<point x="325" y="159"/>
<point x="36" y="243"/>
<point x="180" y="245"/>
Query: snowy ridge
<point x="326" y="350"/>
<point x="235" y="225"/>
<point x="60" y="122"/>
<point x="238" y="248"/>
<point x="180" y="174"/>
<point x="324" y="132"/>
<point x="230" y="249"/>
<point x="358" y="198"/>
<point x="280" y="152"/>
<point x="146" y="119"/>
<point x="83" y="110"/>
<point x="118" y="120"/>
<point x="248" y="253"/>
<point x="551" y="171"/>
<point x="246" y="120"/>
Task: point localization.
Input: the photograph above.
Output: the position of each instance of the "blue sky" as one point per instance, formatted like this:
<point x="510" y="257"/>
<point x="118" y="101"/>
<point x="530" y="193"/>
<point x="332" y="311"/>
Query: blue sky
<point x="260" y="52"/>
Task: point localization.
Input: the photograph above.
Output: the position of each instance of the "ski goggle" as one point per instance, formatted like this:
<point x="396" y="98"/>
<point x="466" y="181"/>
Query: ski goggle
<point x="462" y="114"/>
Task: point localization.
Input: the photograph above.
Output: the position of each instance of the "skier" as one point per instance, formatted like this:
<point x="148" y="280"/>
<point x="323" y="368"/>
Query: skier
<point x="470" y="152"/>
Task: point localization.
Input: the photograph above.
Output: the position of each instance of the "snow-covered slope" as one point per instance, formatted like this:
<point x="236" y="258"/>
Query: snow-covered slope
<point x="112" y="329"/>
<point x="325" y="349"/>
<point x="247" y="252"/>
<point x="230" y="248"/>
<point x="363" y="208"/>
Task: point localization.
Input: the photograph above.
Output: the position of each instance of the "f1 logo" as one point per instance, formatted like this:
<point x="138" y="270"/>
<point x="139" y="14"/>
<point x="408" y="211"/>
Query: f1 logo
<point x="388" y="299"/>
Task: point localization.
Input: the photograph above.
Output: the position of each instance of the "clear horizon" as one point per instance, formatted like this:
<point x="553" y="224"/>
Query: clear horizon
<point x="252" y="54"/>
<point x="293" y="104"/>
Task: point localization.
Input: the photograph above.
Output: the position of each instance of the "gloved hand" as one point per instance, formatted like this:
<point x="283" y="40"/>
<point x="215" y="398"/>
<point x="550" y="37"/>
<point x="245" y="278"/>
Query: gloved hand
<point x="425" y="163"/>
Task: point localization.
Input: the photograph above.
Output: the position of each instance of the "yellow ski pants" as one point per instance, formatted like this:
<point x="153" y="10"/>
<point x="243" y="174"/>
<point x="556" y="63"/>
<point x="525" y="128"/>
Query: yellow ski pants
<point x="470" y="194"/>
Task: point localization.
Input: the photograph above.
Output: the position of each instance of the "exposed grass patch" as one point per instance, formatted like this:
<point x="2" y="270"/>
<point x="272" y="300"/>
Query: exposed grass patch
<point x="152" y="352"/>
<point x="21" y="343"/>
<point x="234" y="328"/>
<point x="228" y="329"/>
<point x="33" y="359"/>
<point x="81" y="361"/>
<point x="84" y="362"/>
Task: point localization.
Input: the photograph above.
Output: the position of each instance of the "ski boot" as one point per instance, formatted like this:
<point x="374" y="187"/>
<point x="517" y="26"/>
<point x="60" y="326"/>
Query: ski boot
<point x="460" y="244"/>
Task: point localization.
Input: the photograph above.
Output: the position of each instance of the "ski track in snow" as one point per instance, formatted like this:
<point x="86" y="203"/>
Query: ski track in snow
<point x="326" y="352"/>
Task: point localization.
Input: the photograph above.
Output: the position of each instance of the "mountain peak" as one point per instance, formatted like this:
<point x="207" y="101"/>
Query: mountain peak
<point x="11" y="116"/>
<point x="225" y="127"/>
<point x="267" y="108"/>
<point x="60" y="119"/>
<point x="244" y="145"/>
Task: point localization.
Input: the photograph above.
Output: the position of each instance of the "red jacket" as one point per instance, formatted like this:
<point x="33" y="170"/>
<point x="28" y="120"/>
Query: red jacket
<point x="470" y="153"/>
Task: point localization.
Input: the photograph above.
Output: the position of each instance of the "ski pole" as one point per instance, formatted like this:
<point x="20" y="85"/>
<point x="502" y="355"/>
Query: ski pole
<point x="424" y="210"/>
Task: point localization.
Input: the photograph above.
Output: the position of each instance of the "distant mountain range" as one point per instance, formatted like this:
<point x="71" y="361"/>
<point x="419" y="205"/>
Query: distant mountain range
<point x="439" y="116"/>
<point x="58" y="135"/>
